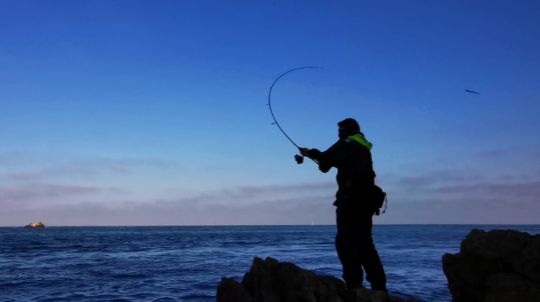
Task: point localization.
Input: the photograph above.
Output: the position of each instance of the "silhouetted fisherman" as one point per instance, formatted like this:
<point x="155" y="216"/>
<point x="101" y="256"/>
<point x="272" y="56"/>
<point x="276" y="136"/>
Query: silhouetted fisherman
<point x="351" y="156"/>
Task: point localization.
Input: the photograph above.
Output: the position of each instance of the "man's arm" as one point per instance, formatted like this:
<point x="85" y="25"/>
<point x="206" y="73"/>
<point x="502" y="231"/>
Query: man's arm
<point x="325" y="159"/>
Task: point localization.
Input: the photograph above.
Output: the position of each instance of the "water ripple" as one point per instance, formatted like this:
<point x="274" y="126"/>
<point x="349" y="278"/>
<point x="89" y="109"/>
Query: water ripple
<point x="186" y="263"/>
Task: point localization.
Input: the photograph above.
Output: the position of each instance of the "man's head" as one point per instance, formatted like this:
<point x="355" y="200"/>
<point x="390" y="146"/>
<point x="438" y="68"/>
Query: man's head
<point x="348" y="127"/>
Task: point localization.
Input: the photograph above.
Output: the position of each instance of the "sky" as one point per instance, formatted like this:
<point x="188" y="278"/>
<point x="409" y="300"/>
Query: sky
<point x="155" y="112"/>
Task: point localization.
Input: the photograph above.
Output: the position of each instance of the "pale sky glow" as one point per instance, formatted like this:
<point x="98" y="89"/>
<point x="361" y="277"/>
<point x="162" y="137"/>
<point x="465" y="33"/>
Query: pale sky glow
<point x="154" y="112"/>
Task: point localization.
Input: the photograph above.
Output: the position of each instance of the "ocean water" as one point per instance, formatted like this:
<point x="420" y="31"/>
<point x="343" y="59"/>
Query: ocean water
<point x="187" y="263"/>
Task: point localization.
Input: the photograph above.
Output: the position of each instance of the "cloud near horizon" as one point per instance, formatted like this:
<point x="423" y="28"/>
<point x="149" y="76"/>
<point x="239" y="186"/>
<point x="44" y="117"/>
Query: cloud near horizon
<point x="29" y="167"/>
<point x="72" y="192"/>
<point x="455" y="197"/>
<point x="428" y="198"/>
<point x="244" y="205"/>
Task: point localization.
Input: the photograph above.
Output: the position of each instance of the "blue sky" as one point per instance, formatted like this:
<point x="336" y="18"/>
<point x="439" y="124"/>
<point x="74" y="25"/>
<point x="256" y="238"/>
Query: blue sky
<point x="154" y="113"/>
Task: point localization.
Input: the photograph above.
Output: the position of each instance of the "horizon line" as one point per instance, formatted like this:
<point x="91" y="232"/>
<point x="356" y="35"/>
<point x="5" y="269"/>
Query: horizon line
<point x="279" y="225"/>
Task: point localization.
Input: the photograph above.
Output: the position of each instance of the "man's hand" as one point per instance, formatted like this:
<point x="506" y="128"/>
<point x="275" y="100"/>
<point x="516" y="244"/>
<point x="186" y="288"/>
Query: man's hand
<point x="304" y="151"/>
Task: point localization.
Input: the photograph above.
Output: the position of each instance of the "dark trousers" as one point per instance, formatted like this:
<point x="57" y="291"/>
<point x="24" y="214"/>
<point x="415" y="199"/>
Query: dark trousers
<point x="356" y="250"/>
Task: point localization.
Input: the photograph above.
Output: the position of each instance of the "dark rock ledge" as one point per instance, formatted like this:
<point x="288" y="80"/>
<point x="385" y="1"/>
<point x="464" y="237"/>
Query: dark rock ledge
<point x="272" y="281"/>
<point x="495" y="266"/>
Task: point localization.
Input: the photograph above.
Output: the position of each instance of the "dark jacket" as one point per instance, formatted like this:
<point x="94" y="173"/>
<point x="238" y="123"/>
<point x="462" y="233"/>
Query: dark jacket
<point x="354" y="165"/>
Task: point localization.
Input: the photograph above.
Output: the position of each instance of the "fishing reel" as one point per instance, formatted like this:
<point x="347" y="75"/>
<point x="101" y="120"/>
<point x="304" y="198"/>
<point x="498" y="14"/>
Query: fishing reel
<point x="299" y="159"/>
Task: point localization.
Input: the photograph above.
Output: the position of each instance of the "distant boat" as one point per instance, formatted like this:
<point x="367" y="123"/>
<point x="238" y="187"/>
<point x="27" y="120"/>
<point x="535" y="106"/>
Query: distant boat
<point x="34" y="225"/>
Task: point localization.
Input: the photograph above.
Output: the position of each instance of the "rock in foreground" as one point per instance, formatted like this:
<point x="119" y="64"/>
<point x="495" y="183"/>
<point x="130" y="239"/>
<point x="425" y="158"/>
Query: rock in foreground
<point x="495" y="266"/>
<point x="272" y="281"/>
<point x="37" y="224"/>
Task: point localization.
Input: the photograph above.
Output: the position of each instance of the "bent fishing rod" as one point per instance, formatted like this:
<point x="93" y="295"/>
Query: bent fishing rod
<point x="299" y="158"/>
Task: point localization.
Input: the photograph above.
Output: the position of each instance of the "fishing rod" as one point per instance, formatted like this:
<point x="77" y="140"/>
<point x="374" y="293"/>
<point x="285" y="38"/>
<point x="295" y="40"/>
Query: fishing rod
<point x="299" y="158"/>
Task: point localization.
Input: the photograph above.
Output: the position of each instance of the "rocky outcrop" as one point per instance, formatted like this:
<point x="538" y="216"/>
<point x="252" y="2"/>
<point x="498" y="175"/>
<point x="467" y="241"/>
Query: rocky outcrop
<point x="272" y="281"/>
<point x="37" y="224"/>
<point x="495" y="266"/>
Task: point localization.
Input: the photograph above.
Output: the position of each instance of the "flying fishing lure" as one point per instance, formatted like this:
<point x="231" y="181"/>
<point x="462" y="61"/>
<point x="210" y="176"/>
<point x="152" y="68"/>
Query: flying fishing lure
<point x="472" y="91"/>
<point x="299" y="158"/>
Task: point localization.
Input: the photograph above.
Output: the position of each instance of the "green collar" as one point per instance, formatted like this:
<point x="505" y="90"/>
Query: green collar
<point x="359" y="138"/>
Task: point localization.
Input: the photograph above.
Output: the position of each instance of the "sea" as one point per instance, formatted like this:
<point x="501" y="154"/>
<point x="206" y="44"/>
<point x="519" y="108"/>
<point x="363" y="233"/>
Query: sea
<point x="186" y="263"/>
